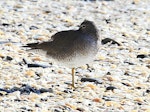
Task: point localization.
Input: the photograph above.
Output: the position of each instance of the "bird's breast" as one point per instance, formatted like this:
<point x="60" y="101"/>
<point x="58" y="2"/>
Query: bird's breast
<point x="80" y="52"/>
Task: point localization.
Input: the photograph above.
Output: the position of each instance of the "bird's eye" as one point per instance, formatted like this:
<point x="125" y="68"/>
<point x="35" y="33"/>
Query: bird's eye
<point x="83" y="26"/>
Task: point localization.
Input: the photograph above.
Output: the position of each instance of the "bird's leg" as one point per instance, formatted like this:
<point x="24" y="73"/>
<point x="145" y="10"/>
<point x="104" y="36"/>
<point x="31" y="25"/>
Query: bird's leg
<point x="73" y="72"/>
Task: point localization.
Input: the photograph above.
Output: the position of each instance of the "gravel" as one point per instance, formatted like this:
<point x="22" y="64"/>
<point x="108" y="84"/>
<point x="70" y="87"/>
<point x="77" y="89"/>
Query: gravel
<point x="123" y="69"/>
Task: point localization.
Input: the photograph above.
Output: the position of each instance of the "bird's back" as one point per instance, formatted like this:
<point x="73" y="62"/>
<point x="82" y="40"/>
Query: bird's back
<point x="67" y="43"/>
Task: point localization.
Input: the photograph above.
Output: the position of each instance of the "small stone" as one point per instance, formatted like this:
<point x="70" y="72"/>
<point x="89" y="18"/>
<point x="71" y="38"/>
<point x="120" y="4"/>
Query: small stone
<point x="8" y="44"/>
<point x="108" y="40"/>
<point x="60" y="71"/>
<point x="92" y="86"/>
<point x="101" y="57"/>
<point x="67" y="91"/>
<point x="113" y="66"/>
<point x="91" y="80"/>
<point x="148" y="91"/>
<point x="80" y="109"/>
<point x="37" y="65"/>
<point x="3" y="93"/>
<point x="40" y="38"/>
<point x="42" y="90"/>
<point x="130" y="35"/>
<point x="126" y="83"/>
<point x="106" y="98"/>
<point x="33" y="27"/>
<point x="109" y="78"/>
<point x="1" y="32"/>
<point x="108" y="21"/>
<point x="37" y="105"/>
<point x="142" y="56"/>
<point x="5" y="24"/>
<point x="148" y="32"/>
<point x="30" y="73"/>
<point x="148" y="66"/>
<point x="46" y="11"/>
<point x="44" y="99"/>
<point x="98" y="100"/>
<point x="109" y="103"/>
<point x="110" y="88"/>
<point x="18" y="6"/>
<point x="130" y="63"/>
<point x="37" y="59"/>
<point x="140" y="100"/>
<point x="2" y="55"/>
<point x="33" y="97"/>
<point x="108" y="73"/>
<point x="9" y="58"/>
<point x="71" y="106"/>
<point x="135" y="1"/>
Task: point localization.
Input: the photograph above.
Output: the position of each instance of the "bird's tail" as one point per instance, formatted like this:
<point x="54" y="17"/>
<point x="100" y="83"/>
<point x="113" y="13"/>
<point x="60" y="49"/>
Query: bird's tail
<point x="36" y="48"/>
<point x="32" y="45"/>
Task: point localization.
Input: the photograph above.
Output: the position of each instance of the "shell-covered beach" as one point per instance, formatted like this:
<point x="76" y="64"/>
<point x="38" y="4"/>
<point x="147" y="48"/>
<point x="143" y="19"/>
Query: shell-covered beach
<point x="118" y="80"/>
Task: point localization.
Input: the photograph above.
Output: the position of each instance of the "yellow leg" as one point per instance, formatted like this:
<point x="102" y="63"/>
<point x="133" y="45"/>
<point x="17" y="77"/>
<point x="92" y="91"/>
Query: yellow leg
<point x="73" y="72"/>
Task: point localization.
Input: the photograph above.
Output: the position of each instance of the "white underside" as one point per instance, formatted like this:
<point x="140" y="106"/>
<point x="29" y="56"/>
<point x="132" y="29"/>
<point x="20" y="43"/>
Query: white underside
<point x="76" y="61"/>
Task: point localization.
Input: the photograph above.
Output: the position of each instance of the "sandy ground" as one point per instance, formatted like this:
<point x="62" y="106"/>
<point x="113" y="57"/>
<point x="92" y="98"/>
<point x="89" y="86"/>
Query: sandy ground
<point x="122" y="73"/>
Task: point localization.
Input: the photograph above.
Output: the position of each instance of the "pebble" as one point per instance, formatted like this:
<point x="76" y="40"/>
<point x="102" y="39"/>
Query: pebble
<point x="96" y="81"/>
<point x="98" y="100"/>
<point x="142" y="56"/>
<point x="110" y="88"/>
<point x="9" y="58"/>
<point x="108" y="40"/>
<point x="30" y="73"/>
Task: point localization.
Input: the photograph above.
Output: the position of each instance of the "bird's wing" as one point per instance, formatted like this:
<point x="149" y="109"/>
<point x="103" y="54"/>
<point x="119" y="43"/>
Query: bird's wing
<point x="43" y="45"/>
<point x="63" y="38"/>
<point x="61" y="42"/>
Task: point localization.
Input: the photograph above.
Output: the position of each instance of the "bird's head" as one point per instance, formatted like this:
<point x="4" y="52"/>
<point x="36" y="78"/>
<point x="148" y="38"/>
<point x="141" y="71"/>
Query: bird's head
<point x="88" y="27"/>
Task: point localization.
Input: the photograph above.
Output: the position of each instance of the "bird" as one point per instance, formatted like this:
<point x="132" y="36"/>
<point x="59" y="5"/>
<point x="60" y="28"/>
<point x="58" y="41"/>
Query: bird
<point x="71" y="48"/>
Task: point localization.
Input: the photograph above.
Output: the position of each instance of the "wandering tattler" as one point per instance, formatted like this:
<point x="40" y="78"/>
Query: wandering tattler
<point x="72" y="48"/>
